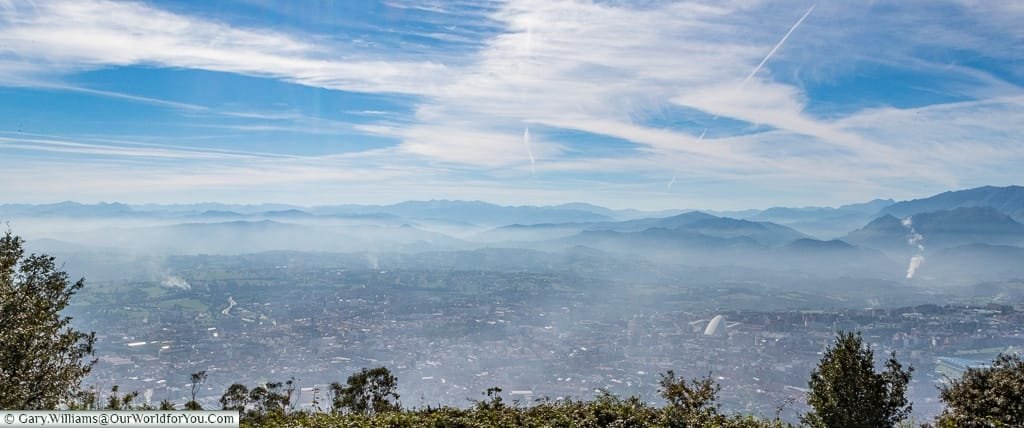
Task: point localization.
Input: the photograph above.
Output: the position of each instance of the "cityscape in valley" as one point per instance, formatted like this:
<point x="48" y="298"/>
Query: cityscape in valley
<point x="546" y="302"/>
<point x="515" y="213"/>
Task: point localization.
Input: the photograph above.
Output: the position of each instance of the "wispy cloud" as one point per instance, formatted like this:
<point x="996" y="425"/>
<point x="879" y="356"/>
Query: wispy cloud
<point x="37" y="142"/>
<point x="75" y="35"/>
<point x="586" y="67"/>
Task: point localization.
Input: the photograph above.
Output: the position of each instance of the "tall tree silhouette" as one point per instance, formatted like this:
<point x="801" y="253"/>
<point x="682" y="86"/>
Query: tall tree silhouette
<point x="42" y="358"/>
<point x="845" y="390"/>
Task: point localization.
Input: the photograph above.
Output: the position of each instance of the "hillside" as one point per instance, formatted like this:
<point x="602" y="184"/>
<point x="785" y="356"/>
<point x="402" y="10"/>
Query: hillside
<point x="1007" y="200"/>
<point x="960" y="226"/>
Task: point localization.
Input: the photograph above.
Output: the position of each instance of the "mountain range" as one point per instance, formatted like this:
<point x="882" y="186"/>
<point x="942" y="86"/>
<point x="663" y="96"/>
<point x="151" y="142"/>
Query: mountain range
<point x="978" y="227"/>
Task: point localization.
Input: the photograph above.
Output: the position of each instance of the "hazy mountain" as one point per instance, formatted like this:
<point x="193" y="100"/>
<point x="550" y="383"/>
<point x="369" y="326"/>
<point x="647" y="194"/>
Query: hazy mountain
<point x="883" y="232"/>
<point x="287" y="214"/>
<point x="783" y="213"/>
<point x="687" y="247"/>
<point x="977" y="216"/>
<point x="530" y="232"/>
<point x="485" y="213"/>
<point x="245" y="236"/>
<point x="659" y="240"/>
<point x="453" y="212"/>
<point x="836" y="257"/>
<point x="1005" y="292"/>
<point x="219" y="214"/>
<point x="623" y="214"/>
<point x="472" y="212"/>
<point x="959" y="226"/>
<point x="66" y="209"/>
<point x="824" y="222"/>
<point x="814" y="245"/>
<point x="977" y="262"/>
<point x="545" y="231"/>
<point x="969" y="225"/>
<point x="1008" y="200"/>
<point x="764" y="233"/>
<point x="636" y="225"/>
<point x="180" y="209"/>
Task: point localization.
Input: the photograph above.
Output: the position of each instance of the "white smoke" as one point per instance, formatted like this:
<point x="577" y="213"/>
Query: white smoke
<point x="915" y="262"/>
<point x="374" y="261"/>
<point x="914" y="239"/>
<point x="174" y="281"/>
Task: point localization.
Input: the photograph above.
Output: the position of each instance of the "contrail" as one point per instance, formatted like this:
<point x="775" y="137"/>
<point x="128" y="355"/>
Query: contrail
<point x="777" y="46"/>
<point x="699" y="139"/>
<point x="529" y="151"/>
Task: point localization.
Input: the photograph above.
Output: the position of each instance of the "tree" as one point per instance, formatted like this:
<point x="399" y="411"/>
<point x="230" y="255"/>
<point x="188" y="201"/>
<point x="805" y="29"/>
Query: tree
<point x="986" y="397"/>
<point x="276" y="401"/>
<point x="166" y="404"/>
<point x="197" y="378"/>
<point x="370" y="391"/>
<point x="845" y="390"/>
<point x="42" y="358"/>
<point x="118" y="402"/>
<point x="235" y="398"/>
<point x="494" y="400"/>
<point x="265" y="399"/>
<point x="258" y="398"/>
<point x="690" y="403"/>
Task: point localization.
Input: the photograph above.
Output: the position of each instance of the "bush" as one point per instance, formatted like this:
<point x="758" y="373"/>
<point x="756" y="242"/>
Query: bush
<point x="986" y="397"/>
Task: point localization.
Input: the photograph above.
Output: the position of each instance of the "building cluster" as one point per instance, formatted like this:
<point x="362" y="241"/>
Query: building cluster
<point x="448" y="347"/>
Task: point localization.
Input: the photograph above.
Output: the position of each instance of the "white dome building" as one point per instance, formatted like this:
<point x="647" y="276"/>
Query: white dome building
<point x="716" y="327"/>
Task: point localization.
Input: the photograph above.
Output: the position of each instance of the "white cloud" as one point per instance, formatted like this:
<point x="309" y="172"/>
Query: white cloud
<point x="599" y="68"/>
<point x="85" y="34"/>
<point x="44" y="143"/>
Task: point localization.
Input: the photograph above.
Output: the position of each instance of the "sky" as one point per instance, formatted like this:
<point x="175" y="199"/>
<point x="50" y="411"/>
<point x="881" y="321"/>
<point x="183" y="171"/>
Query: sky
<point x="629" y="104"/>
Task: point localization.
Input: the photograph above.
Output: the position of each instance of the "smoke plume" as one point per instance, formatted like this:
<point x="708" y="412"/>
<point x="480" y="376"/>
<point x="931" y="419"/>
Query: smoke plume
<point x="915" y="262"/>
<point x="915" y="239"/>
<point x="174" y="281"/>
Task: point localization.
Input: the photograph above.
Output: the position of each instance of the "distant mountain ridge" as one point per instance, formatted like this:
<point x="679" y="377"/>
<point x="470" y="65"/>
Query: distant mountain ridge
<point x="966" y="234"/>
<point x="1008" y="200"/>
<point x="693" y="222"/>
<point x="820" y="222"/>
<point x="467" y="212"/>
<point x="959" y="226"/>
<point x="65" y="209"/>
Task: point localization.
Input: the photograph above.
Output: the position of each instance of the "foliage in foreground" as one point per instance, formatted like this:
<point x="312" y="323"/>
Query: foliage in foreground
<point x="845" y="390"/>
<point x="606" y="410"/>
<point x="986" y="397"/>
<point x="42" y="358"/>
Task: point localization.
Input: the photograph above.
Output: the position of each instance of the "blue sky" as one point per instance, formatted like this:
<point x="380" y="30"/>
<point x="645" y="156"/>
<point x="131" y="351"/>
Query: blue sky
<point x="645" y="104"/>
